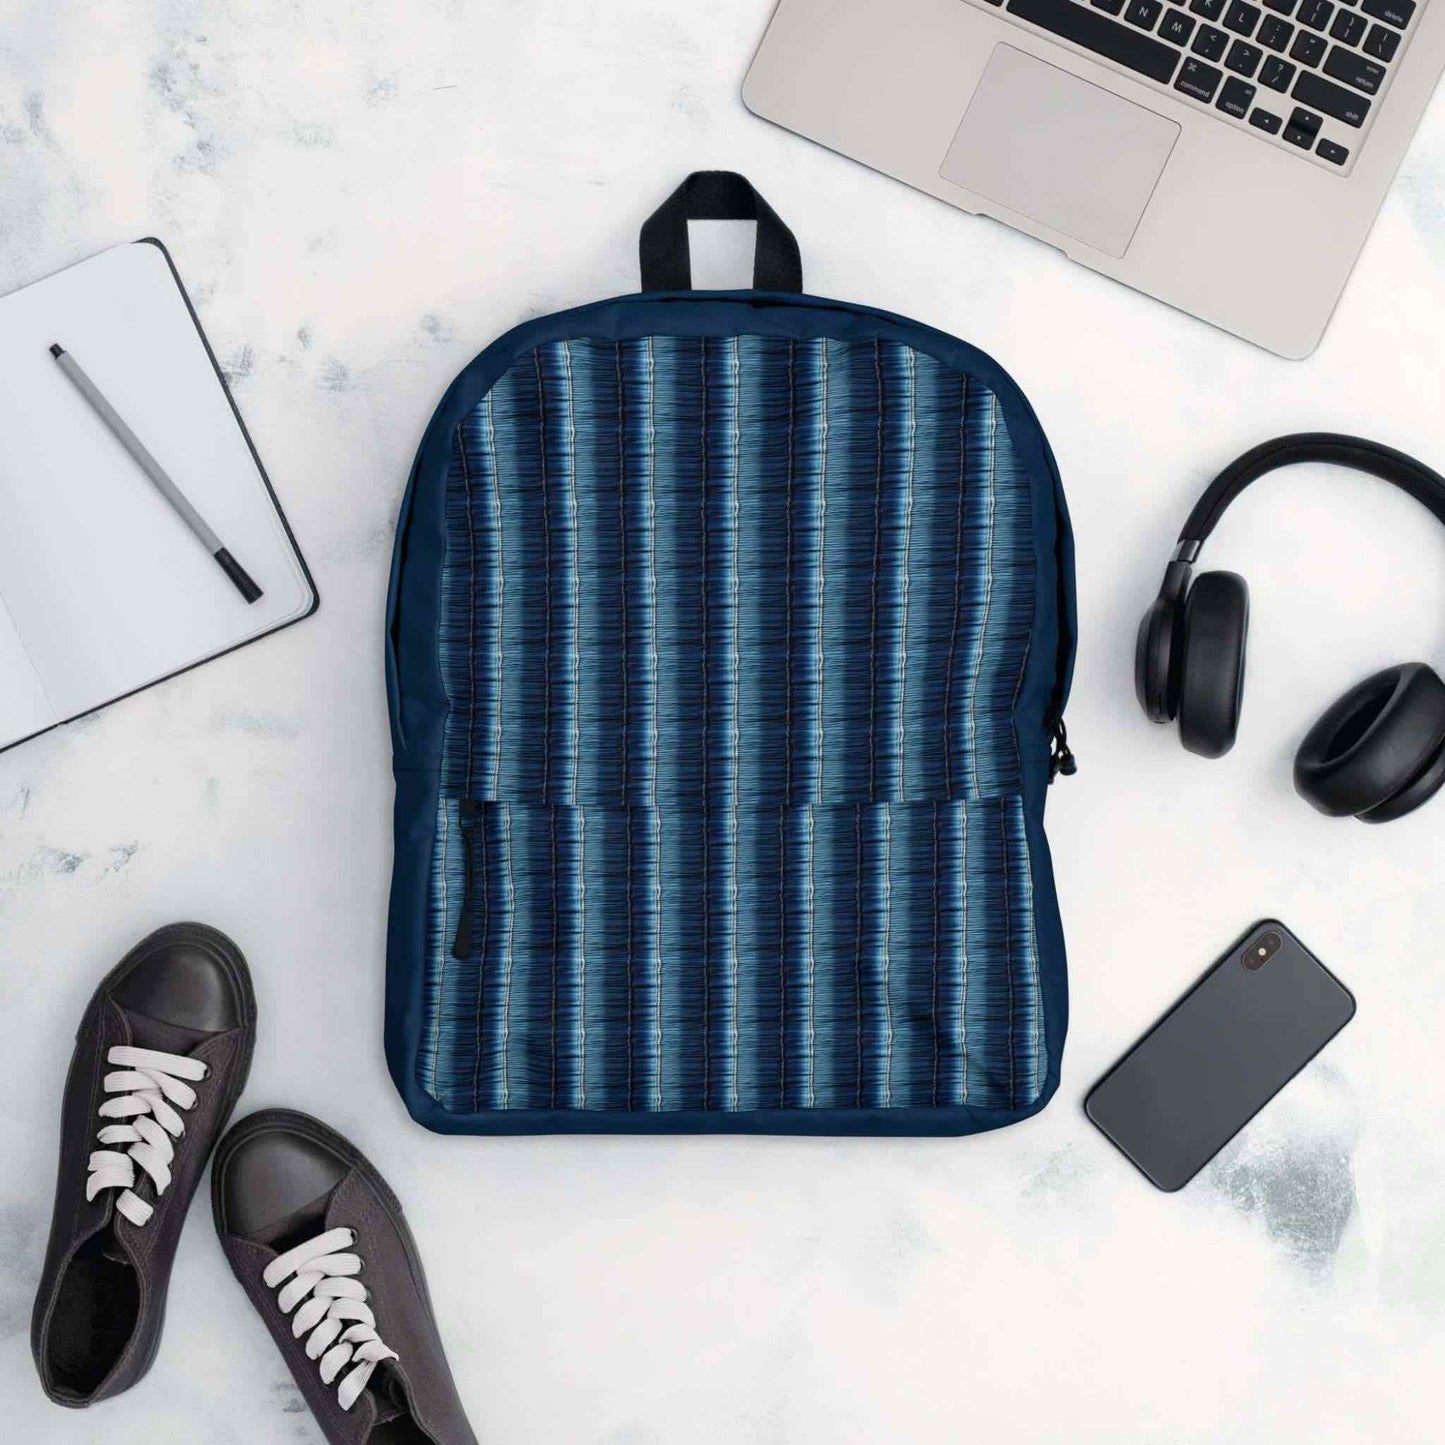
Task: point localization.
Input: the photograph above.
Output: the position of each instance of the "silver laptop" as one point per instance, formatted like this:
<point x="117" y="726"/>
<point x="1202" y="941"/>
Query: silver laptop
<point x="1226" y="156"/>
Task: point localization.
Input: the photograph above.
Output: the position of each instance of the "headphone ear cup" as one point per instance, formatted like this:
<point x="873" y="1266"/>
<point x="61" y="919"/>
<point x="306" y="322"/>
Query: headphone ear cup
<point x="1156" y="659"/>
<point x="1211" y="673"/>
<point x="1379" y="752"/>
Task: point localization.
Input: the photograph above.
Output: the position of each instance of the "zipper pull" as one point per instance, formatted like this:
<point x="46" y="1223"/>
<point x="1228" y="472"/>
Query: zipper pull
<point x="468" y="813"/>
<point x="1061" y="758"/>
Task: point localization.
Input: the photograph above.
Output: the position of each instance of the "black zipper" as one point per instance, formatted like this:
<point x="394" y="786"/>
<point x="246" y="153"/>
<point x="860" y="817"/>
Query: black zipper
<point x="469" y="813"/>
<point x="1062" y="761"/>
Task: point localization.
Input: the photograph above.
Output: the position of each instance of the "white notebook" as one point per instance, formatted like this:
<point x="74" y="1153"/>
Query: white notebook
<point x="103" y="589"/>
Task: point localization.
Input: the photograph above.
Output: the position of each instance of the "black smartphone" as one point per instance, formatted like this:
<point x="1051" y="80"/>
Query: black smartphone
<point x="1220" y="1055"/>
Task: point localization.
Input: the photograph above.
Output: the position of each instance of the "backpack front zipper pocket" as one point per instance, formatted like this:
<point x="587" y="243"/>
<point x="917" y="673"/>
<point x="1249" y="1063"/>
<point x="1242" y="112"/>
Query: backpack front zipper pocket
<point x="622" y="957"/>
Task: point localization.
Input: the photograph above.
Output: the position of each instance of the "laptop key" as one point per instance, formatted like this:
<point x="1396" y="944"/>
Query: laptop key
<point x="1209" y="9"/>
<point x="1398" y="13"/>
<point x="1210" y="43"/>
<point x="1303" y="127"/>
<point x="1274" y="34"/>
<point x="1241" y="18"/>
<point x="1113" y="7"/>
<point x="1282" y="7"/>
<point x="1315" y="13"/>
<point x="1348" y="27"/>
<point x="1308" y="49"/>
<point x="1355" y="70"/>
<point x="1332" y="152"/>
<point x="1198" y="79"/>
<point x="1346" y="105"/>
<point x="1243" y="59"/>
<point x="1177" y="27"/>
<point x="1382" y="43"/>
<point x="1266" y="120"/>
<point x="1277" y="73"/>
<point x="1236" y="97"/>
<point x="1120" y="43"/>
<point x="1143" y="13"/>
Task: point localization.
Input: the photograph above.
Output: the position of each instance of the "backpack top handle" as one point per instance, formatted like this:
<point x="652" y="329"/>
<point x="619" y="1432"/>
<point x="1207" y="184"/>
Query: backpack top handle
<point x="717" y="196"/>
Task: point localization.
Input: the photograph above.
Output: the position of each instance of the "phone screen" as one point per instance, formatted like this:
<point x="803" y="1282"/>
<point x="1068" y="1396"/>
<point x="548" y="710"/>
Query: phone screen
<point x="1220" y="1055"/>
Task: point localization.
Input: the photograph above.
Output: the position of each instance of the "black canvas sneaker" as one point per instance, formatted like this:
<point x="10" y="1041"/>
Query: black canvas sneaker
<point x="318" y="1242"/>
<point x="160" y="1059"/>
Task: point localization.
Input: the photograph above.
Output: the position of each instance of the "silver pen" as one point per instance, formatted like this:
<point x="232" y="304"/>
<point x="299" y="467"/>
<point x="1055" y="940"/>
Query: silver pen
<point x="177" y="499"/>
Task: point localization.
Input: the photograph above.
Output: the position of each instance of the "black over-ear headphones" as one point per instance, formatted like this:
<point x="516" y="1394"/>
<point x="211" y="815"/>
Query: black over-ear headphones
<point x="1379" y="752"/>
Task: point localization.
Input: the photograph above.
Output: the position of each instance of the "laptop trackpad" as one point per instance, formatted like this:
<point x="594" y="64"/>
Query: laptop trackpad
<point x="1070" y="155"/>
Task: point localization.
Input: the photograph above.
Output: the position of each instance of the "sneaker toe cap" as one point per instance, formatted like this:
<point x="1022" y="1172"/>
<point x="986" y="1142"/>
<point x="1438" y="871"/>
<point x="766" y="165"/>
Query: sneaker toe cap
<point x="272" y="1176"/>
<point x="188" y="976"/>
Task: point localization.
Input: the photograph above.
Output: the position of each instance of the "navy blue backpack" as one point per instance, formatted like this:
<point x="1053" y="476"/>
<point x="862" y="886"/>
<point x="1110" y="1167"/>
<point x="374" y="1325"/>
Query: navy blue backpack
<point x="728" y="640"/>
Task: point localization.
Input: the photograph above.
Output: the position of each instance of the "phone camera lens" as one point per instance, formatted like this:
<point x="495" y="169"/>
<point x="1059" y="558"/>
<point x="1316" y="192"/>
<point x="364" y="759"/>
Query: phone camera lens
<point x="1261" y="951"/>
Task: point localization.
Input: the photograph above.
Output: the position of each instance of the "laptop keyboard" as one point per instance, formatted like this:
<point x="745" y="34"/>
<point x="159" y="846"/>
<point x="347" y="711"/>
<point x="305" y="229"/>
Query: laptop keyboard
<point x="1306" y="74"/>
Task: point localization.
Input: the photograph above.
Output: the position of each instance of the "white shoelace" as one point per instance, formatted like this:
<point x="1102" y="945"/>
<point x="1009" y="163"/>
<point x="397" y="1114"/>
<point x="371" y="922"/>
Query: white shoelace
<point x="151" y="1092"/>
<point x="324" y="1268"/>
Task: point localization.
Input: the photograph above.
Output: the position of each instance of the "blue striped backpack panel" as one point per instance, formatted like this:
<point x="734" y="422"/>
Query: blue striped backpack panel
<point x="728" y="638"/>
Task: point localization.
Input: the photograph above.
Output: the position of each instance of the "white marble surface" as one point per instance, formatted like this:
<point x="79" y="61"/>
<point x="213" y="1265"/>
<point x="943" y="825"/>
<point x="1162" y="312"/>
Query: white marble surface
<point x="361" y="194"/>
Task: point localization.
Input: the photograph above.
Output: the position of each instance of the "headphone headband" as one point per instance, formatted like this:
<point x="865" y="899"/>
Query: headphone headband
<point x="1412" y="477"/>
